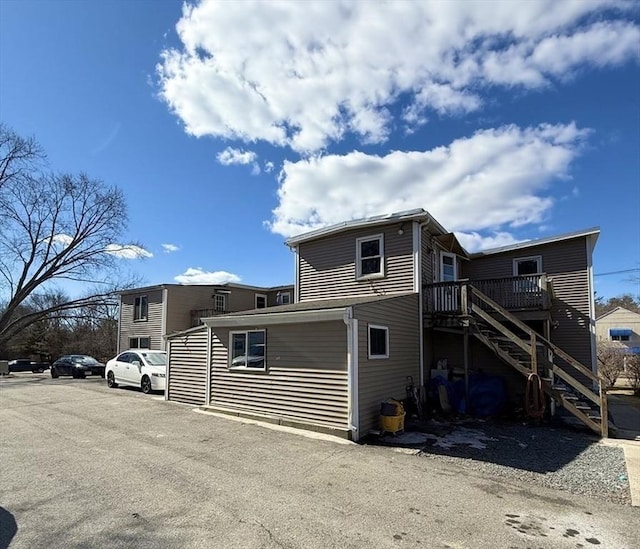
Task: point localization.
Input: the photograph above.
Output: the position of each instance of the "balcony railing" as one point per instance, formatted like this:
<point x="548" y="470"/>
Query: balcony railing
<point x="514" y="293"/>
<point x="198" y="314"/>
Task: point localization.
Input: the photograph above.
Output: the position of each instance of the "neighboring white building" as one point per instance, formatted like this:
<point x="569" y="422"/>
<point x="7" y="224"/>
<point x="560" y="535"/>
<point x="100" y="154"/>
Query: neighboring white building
<point x="621" y="326"/>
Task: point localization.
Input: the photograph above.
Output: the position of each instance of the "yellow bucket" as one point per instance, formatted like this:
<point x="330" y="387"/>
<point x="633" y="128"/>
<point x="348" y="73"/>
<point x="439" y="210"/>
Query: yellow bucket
<point x="392" y="416"/>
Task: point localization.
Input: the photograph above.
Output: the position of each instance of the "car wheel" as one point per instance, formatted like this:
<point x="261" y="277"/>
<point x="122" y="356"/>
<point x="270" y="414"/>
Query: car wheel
<point x="111" y="381"/>
<point x="54" y="373"/>
<point x="145" y="384"/>
<point x="40" y="370"/>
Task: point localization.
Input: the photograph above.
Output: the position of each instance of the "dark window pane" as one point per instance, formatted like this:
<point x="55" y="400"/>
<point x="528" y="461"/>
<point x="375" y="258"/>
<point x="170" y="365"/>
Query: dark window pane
<point x="370" y="266"/>
<point x="526" y="267"/>
<point x="370" y="248"/>
<point x="378" y="341"/>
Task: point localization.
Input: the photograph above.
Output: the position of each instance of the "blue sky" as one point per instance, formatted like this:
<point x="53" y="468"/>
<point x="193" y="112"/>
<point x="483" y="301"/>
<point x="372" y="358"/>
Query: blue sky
<point x="231" y="126"/>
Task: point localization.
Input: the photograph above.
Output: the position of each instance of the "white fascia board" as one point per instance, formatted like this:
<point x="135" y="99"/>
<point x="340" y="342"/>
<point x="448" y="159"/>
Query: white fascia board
<point x="271" y="319"/>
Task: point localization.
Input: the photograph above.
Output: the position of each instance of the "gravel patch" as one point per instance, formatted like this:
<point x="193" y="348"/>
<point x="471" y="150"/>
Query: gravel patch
<point x="551" y="457"/>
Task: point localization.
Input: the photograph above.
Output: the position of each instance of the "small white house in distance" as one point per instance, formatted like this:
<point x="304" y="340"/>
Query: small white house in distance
<point x="621" y="326"/>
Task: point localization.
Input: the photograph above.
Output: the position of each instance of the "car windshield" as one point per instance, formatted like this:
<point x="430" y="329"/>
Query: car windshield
<point x="155" y="359"/>
<point x="83" y="359"/>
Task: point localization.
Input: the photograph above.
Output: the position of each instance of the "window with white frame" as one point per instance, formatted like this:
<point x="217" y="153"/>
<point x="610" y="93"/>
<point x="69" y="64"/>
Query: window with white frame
<point x="139" y="343"/>
<point x="261" y="301"/>
<point x="378" y="341"/>
<point x="284" y="298"/>
<point x="140" y="308"/>
<point x="370" y="257"/>
<point x="220" y="303"/>
<point x="524" y="267"/>
<point x="248" y="349"/>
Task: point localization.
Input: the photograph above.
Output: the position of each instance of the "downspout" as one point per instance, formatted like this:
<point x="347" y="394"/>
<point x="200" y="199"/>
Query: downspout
<point x="165" y="307"/>
<point x="119" y="326"/>
<point x="167" y="373"/>
<point x="590" y="243"/>
<point x="296" y="286"/>
<point x="417" y="286"/>
<point x="207" y="392"/>
<point x="352" y="372"/>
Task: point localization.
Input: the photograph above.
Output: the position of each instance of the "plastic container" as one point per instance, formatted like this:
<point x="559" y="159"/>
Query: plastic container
<point x="392" y="416"/>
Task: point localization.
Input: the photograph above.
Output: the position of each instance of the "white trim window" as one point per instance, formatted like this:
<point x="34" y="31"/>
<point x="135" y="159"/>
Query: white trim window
<point x="378" y="341"/>
<point x="261" y="301"/>
<point x="523" y="266"/>
<point x="140" y="308"/>
<point x="448" y="267"/>
<point x="247" y="350"/>
<point x="283" y="298"/>
<point x="220" y="303"/>
<point x="370" y="257"/>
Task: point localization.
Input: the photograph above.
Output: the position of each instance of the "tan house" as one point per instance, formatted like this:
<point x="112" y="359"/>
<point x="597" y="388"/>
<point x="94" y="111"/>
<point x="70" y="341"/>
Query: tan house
<point x="622" y="327"/>
<point x="147" y="314"/>
<point x="386" y="298"/>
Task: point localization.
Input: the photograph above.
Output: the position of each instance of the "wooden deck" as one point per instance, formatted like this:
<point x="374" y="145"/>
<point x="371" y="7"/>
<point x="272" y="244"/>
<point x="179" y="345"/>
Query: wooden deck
<point x="514" y="293"/>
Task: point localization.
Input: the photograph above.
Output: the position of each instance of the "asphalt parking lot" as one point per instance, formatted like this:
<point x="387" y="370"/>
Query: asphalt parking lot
<point x="87" y="466"/>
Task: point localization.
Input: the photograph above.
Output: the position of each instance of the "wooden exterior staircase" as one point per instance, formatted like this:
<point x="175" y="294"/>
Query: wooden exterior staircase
<point x="530" y="353"/>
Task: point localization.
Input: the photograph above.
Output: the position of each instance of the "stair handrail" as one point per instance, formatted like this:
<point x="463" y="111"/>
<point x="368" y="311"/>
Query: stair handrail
<point x="556" y="350"/>
<point x="600" y="399"/>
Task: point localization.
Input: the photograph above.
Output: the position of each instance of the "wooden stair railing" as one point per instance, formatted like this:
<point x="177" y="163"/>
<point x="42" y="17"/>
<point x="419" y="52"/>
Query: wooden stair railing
<point x="511" y="348"/>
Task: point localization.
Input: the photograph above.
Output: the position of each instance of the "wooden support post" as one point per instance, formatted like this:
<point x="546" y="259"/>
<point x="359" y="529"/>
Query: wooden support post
<point x="534" y="354"/>
<point x="466" y="367"/>
<point x="604" y="411"/>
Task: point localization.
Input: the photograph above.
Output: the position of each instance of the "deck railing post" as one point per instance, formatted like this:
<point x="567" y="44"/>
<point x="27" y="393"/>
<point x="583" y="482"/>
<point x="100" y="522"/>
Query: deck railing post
<point x="464" y="298"/>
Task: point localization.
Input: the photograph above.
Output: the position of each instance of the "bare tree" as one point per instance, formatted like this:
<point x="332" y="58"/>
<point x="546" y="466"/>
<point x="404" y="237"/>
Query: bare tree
<point x="53" y="228"/>
<point x="610" y="361"/>
<point x="633" y="373"/>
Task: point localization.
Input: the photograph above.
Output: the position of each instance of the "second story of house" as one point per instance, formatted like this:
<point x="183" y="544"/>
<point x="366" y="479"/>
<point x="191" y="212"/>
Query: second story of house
<point x="147" y="314"/>
<point x="411" y="251"/>
<point x="373" y="256"/>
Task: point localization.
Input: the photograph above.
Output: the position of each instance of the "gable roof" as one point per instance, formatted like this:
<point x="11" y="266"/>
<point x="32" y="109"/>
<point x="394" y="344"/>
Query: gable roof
<point x="538" y="242"/>
<point x="614" y="310"/>
<point x="417" y="214"/>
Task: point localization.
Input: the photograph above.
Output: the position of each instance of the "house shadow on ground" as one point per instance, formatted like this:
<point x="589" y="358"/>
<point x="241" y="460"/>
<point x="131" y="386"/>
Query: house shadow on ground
<point x="540" y="448"/>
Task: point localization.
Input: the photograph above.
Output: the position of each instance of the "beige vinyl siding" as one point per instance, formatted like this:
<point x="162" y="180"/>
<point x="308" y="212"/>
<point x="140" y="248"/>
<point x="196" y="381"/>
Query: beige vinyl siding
<point x="151" y="327"/>
<point x="620" y="319"/>
<point x="305" y="380"/>
<point x="565" y="262"/>
<point x="328" y="269"/>
<point x="427" y="258"/>
<point x="181" y="300"/>
<point x="379" y="379"/>
<point x="187" y="355"/>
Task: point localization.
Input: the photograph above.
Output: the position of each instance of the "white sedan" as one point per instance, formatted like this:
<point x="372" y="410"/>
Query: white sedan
<point x="138" y="368"/>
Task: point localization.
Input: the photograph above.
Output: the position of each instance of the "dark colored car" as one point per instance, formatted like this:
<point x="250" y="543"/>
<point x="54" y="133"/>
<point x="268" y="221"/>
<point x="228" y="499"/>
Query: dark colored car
<point x="26" y="365"/>
<point x="78" y="366"/>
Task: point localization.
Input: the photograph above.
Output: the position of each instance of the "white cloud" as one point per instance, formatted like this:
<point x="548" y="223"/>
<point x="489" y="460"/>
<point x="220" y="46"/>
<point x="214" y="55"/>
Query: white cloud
<point x="199" y="276"/>
<point x="269" y="166"/>
<point x="474" y="241"/>
<point x="231" y="156"/>
<point x="127" y="251"/>
<point x="168" y="248"/>
<point x="62" y="239"/>
<point x="304" y="74"/>
<point x="497" y="178"/>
